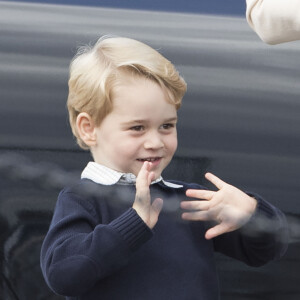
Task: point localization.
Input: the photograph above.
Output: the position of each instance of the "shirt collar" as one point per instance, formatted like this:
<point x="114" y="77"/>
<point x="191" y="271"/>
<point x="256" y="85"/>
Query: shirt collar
<point x="106" y="176"/>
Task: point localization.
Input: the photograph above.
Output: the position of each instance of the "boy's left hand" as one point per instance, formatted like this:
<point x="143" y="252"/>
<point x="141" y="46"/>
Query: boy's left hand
<point x="229" y="206"/>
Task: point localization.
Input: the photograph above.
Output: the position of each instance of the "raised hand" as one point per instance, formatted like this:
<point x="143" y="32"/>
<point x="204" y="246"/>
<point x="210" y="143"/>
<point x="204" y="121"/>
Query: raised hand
<point x="229" y="207"/>
<point x="148" y="211"/>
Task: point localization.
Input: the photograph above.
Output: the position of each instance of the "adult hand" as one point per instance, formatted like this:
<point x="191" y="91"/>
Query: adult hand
<point x="229" y="207"/>
<point x="148" y="211"/>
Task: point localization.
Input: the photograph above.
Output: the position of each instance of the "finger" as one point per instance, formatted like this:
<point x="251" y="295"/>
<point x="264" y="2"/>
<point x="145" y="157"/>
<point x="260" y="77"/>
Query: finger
<point x="213" y="199"/>
<point x="195" y="205"/>
<point x="215" y="180"/>
<point x="197" y="216"/>
<point x="200" y="194"/>
<point x="216" y="231"/>
<point x="143" y="171"/>
<point x="212" y="213"/>
<point x="151" y="177"/>
<point x="142" y="180"/>
<point x="155" y="210"/>
<point x="157" y="205"/>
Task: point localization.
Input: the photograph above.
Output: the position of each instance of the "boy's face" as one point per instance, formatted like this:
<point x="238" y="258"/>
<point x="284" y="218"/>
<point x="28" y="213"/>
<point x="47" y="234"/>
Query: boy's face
<point x="141" y="126"/>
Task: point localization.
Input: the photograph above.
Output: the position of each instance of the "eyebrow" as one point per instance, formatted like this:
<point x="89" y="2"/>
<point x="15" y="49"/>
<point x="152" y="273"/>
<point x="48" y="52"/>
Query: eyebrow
<point x="138" y="121"/>
<point x="171" y="119"/>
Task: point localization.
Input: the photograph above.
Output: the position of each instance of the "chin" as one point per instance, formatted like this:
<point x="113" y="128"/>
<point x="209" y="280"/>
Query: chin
<point x="157" y="174"/>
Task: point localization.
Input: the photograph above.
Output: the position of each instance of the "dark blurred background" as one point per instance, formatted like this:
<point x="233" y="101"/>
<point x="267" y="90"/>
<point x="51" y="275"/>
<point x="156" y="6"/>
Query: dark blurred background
<point x="239" y="119"/>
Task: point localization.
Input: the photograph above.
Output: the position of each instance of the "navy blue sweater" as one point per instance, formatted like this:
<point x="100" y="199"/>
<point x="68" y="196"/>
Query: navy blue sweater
<point x="97" y="246"/>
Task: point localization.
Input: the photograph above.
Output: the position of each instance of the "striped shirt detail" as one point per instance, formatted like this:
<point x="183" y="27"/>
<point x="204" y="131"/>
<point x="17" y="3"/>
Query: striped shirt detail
<point x="106" y="176"/>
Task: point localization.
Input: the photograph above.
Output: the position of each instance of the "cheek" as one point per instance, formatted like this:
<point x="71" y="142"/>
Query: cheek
<point x="171" y="143"/>
<point x="128" y="146"/>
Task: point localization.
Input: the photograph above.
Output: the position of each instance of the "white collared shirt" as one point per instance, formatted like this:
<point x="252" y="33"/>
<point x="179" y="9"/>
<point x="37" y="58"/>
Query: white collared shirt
<point x="106" y="176"/>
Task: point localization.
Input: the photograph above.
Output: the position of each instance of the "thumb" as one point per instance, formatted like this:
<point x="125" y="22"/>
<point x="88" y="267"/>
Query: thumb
<point x="216" y="231"/>
<point x="157" y="205"/>
<point x="155" y="210"/>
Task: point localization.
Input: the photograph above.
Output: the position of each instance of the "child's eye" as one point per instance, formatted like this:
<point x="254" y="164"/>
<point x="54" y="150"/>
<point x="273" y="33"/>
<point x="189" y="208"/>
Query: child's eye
<point x="137" y="128"/>
<point x="168" y="126"/>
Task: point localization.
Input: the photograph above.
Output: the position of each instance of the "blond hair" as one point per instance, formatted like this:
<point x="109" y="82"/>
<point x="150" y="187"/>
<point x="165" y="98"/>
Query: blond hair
<point x="95" y="71"/>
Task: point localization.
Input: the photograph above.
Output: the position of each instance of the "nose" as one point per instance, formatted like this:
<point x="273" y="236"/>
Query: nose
<point x="153" y="140"/>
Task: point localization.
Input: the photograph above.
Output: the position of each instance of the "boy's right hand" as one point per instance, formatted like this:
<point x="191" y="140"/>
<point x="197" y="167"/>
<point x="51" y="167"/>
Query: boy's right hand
<point x="148" y="211"/>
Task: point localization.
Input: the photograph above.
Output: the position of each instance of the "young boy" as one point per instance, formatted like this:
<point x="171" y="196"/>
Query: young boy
<point x="108" y="239"/>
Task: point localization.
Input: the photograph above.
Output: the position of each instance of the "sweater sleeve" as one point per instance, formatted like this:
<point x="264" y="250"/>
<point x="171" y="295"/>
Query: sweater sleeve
<point x="275" y="21"/>
<point x="264" y="237"/>
<point x="79" y="250"/>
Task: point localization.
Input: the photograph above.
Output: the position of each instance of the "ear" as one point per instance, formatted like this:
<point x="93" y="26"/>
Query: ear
<point x="86" y="129"/>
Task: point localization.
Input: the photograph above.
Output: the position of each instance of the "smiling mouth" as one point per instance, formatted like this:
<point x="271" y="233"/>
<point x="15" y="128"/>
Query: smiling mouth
<point x="150" y="159"/>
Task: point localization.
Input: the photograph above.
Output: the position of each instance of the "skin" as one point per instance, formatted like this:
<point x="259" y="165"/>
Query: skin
<point x="141" y="126"/>
<point x="228" y="206"/>
<point x="139" y="136"/>
<point x="148" y="211"/>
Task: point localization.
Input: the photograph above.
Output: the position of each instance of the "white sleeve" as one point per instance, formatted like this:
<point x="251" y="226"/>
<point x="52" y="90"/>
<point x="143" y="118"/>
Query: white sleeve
<point x="275" y="21"/>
